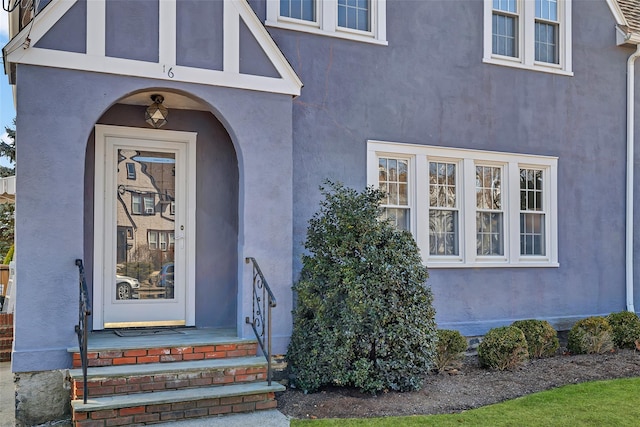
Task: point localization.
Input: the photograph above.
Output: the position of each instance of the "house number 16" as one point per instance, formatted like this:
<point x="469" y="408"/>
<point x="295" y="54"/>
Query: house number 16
<point x="168" y="72"/>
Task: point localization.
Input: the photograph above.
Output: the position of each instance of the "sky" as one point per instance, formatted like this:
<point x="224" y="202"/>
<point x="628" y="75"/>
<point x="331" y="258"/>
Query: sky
<point x="7" y="110"/>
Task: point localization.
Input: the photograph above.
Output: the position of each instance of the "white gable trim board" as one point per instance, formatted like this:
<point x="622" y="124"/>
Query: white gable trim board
<point x="21" y="49"/>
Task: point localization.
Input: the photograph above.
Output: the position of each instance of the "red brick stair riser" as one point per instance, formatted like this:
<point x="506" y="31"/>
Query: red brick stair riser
<point x="6" y="336"/>
<point x="164" y="355"/>
<point x="152" y="414"/>
<point x="167" y="381"/>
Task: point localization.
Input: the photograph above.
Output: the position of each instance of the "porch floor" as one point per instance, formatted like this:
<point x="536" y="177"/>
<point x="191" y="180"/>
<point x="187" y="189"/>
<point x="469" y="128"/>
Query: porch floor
<point x="173" y="337"/>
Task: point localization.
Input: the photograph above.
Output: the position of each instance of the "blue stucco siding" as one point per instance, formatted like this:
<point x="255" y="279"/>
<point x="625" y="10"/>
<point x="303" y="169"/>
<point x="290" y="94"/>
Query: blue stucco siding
<point x="200" y="41"/>
<point x="132" y="30"/>
<point x="69" y="33"/>
<point x="430" y="86"/>
<point x="50" y="212"/>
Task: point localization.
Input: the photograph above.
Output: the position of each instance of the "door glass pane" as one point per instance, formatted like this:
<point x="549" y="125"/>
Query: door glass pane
<point x="145" y="215"/>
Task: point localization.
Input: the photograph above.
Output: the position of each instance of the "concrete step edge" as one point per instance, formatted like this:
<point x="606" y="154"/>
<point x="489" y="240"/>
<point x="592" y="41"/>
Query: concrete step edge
<point x="169" y="367"/>
<point x="173" y="396"/>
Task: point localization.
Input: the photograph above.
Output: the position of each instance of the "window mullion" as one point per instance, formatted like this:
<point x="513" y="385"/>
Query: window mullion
<point x="551" y="211"/>
<point x="328" y="14"/>
<point x="527" y="28"/>
<point x="469" y="211"/>
<point x="512" y="210"/>
<point x="419" y="188"/>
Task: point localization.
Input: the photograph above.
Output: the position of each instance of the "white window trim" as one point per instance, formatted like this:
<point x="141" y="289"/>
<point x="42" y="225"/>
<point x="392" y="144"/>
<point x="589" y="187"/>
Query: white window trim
<point x="526" y="38"/>
<point x="467" y="159"/>
<point x="326" y="23"/>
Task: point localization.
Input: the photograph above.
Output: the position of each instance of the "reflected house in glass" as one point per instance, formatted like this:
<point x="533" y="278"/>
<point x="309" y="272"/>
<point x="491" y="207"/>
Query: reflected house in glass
<point x="145" y="212"/>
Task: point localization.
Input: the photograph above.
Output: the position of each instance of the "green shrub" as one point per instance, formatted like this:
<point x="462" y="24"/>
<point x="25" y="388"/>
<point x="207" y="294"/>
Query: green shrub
<point x="591" y="335"/>
<point x="503" y="348"/>
<point x="626" y="328"/>
<point x="364" y="316"/>
<point x="450" y="348"/>
<point x="542" y="339"/>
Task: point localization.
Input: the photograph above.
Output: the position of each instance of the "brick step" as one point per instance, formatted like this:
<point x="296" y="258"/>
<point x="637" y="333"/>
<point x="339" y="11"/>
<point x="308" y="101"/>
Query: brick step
<point x="5" y="355"/>
<point x="164" y="406"/>
<point x="129" y="379"/>
<point x="6" y="319"/>
<point x="6" y="343"/>
<point x="6" y="331"/>
<point x="163" y="354"/>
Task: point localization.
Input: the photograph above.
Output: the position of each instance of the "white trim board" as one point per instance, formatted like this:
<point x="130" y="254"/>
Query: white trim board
<point x="21" y="49"/>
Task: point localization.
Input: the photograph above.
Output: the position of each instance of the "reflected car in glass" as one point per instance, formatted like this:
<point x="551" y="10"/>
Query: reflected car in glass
<point x="165" y="278"/>
<point x="126" y="287"/>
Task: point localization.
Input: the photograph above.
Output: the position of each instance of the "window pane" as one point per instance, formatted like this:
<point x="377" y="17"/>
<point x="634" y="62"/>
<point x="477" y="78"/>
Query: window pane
<point x="505" y="5"/>
<point x="531" y="190"/>
<point x="393" y="176"/>
<point x="131" y="171"/>
<point x="136" y="204"/>
<point x="393" y="180"/>
<point x="298" y="9"/>
<point x="397" y="217"/>
<point x="504" y="35"/>
<point x="489" y="233"/>
<point x="546" y="44"/>
<point x="532" y="234"/>
<point x="547" y="9"/>
<point x="443" y="232"/>
<point x="354" y="14"/>
<point x="149" y="207"/>
<point x="488" y="187"/>
<point x="442" y="184"/>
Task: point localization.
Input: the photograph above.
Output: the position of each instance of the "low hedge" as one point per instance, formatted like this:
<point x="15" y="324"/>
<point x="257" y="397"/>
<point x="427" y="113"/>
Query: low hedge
<point x="591" y="335"/>
<point x="542" y="339"/>
<point x="503" y="348"/>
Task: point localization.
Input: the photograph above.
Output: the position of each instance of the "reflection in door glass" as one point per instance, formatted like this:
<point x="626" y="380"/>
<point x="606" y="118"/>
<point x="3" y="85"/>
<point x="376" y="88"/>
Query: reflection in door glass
<point x="145" y="239"/>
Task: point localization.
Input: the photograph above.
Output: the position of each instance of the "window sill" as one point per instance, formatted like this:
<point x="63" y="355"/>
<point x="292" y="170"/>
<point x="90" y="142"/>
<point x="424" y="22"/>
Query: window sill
<point x="493" y="265"/>
<point x="535" y="67"/>
<point x="336" y="34"/>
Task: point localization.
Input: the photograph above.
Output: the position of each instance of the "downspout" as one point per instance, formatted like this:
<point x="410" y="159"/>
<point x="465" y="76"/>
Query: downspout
<point x="630" y="166"/>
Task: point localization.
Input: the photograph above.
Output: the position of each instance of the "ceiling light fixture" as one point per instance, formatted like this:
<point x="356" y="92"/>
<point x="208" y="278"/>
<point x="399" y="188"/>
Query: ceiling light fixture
<point x="156" y="114"/>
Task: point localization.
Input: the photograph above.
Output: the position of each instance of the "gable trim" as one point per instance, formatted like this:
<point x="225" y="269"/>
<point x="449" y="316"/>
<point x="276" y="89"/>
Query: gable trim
<point x="95" y="60"/>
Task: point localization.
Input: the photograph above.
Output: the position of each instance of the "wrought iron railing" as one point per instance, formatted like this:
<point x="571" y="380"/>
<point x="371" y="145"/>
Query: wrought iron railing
<point x="81" y="327"/>
<point x="260" y="321"/>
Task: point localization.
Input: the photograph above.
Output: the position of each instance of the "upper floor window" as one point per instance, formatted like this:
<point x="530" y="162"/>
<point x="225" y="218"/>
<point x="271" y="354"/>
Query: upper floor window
<point x="531" y="34"/>
<point x="143" y="204"/>
<point x="362" y="20"/>
<point x="469" y="208"/>
<point x="131" y="171"/>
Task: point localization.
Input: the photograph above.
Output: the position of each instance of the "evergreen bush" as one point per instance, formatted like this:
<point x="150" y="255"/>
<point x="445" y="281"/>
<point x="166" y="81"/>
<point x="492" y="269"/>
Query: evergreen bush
<point x="450" y="348"/>
<point x="590" y="335"/>
<point x="626" y="328"/>
<point x="542" y="339"/>
<point x="503" y="348"/>
<point x="364" y="316"/>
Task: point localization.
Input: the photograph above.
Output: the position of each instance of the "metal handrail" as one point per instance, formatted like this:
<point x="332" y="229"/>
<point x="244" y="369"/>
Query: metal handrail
<point x="81" y="327"/>
<point x="263" y="301"/>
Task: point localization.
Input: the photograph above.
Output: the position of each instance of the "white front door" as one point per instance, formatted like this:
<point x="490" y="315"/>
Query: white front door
<point x="144" y="228"/>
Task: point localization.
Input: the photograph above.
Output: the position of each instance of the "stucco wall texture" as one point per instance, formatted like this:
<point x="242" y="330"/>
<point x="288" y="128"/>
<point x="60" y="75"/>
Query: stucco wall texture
<point x="428" y="86"/>
<point x="51" y="213"/>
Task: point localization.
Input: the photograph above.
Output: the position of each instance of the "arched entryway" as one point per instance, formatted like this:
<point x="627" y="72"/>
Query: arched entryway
<point x="168" y="218"/>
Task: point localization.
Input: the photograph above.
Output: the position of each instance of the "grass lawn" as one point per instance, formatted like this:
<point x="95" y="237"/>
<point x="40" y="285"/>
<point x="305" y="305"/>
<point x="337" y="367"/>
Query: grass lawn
<point x="600" y="403"/>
